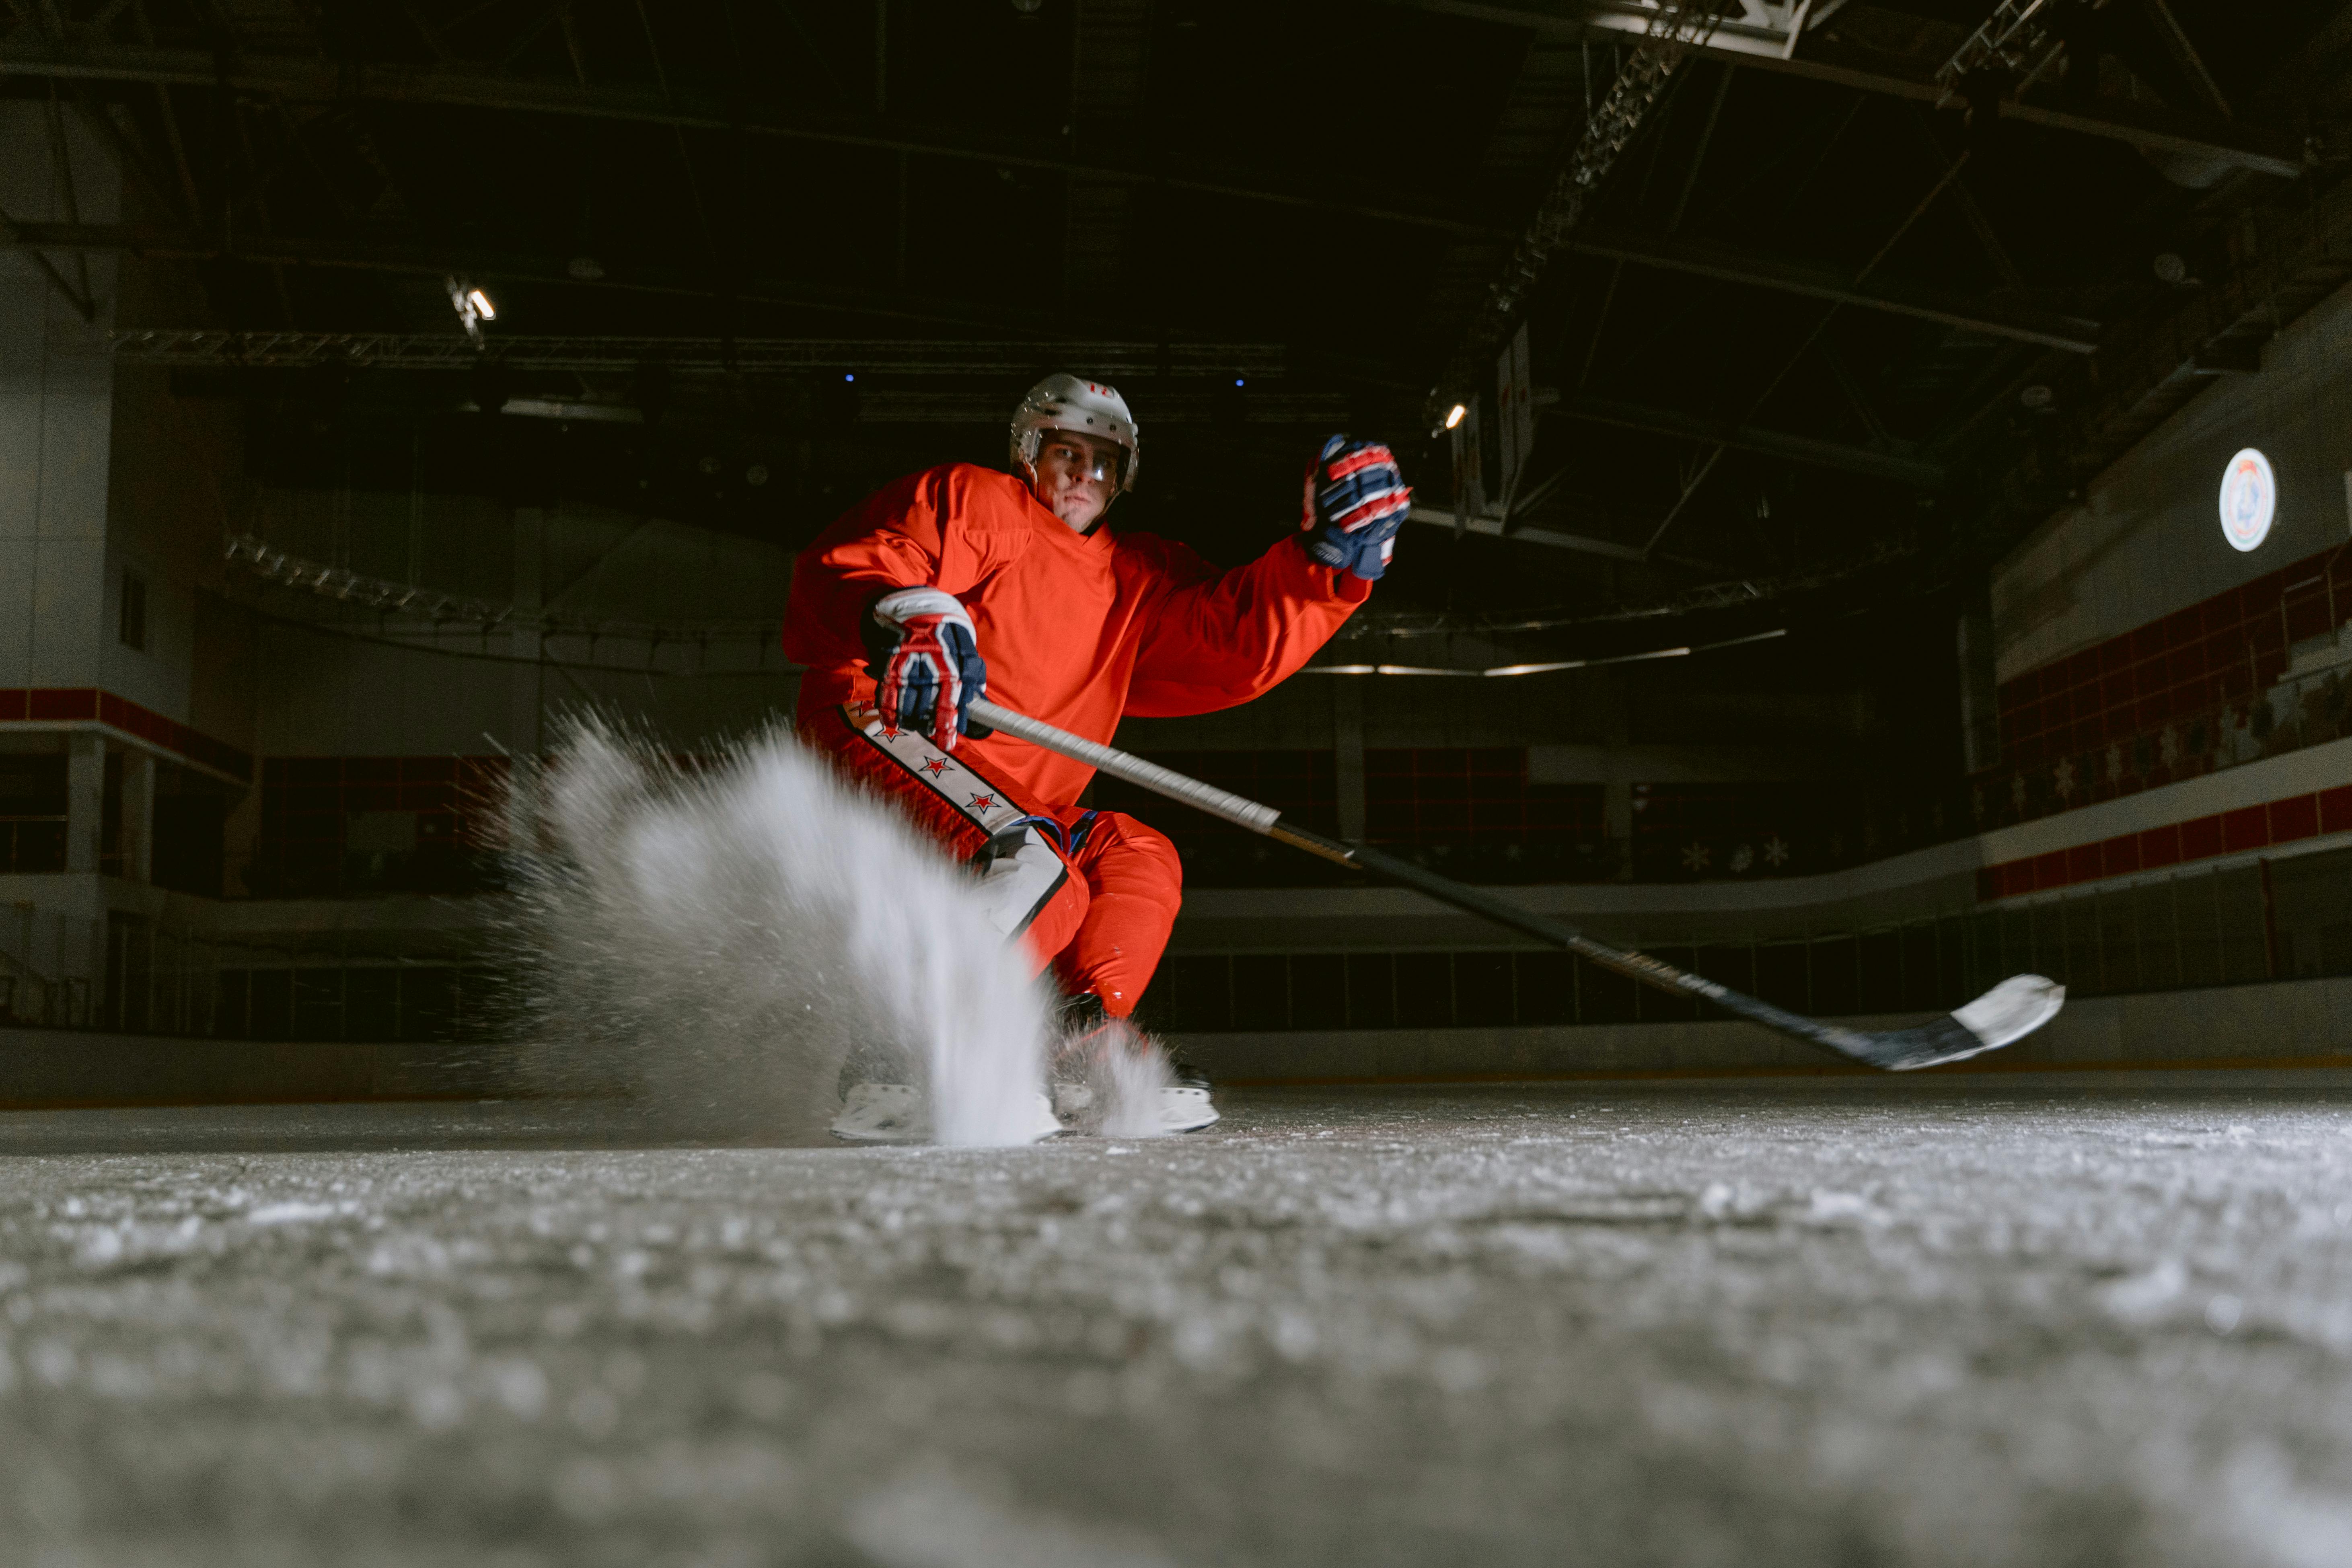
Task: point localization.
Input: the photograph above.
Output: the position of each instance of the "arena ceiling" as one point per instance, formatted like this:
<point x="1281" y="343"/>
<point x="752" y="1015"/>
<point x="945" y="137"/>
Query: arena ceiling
<point x="1855" y="297"/>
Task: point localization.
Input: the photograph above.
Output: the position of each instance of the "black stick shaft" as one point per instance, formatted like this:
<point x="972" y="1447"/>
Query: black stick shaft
<point x="1503" y="912"/>
<point x="1506" y="913"/>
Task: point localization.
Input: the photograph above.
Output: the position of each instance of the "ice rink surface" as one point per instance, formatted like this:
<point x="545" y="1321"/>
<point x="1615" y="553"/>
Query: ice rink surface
<point x="1973" y="1322"/>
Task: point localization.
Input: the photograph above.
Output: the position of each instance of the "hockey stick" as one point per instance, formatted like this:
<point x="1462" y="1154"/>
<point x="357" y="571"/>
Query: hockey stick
<point x="2010" y="1011"/>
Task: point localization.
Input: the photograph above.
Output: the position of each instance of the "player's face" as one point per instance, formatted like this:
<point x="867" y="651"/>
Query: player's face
<point x="1077" y="476"/>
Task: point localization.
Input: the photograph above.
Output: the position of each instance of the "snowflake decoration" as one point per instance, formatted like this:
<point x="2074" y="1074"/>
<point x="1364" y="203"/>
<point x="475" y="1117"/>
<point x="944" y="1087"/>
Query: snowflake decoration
<point x="1743" y="857"/>
<point x="1697" y="857"/>
<point x="1776" y="850"/>
<point x="2065" y="778"/>
<point x="2115" y="765"/>
<point x="2168" y="746"/>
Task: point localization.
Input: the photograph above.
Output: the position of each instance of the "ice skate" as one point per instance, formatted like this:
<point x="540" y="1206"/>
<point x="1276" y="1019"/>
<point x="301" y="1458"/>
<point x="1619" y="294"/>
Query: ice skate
<point x="1181" y="1100"/>
<point x="899" y="1113"/>
<point x="883" y="1113"/>
<point x="1184" y="1104"/>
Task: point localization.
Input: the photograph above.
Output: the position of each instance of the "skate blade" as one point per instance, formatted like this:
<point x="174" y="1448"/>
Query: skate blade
<point x="1185" y="1109"/>
<point x="876" y="1139"/>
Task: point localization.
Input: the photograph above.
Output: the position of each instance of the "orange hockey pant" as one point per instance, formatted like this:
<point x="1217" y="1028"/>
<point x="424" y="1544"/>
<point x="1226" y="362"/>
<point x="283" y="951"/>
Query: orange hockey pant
<point x="1102" y="927"/>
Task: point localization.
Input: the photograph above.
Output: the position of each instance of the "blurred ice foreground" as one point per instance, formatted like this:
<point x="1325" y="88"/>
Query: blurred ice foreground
<point x="718" y="940"/>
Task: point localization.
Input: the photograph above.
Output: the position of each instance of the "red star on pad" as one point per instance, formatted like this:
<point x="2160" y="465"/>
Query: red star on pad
<point x="983" y="803"/>
<point x="936" y="766"/>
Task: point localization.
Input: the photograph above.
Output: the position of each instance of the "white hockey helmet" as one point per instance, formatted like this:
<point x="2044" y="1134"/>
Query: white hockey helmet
<point x="1065" y="402"/>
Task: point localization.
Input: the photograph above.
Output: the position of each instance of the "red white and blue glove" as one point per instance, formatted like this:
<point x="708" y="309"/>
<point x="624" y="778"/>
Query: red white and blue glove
<point x="926" y="666"/>
<point x="1356" y="500"/>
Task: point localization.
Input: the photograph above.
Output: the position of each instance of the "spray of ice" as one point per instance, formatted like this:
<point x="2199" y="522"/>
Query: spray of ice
<point x="716" y="941"/>
<point x="1124" y="1073"/>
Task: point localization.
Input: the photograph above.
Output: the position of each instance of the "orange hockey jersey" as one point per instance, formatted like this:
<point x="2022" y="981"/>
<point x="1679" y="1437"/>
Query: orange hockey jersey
<point x="1078" y="629"/>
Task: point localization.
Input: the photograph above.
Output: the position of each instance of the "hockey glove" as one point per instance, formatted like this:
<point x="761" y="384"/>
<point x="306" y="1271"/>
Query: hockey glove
<point x="926" y="663"/>
<point x="1356" y="500"/>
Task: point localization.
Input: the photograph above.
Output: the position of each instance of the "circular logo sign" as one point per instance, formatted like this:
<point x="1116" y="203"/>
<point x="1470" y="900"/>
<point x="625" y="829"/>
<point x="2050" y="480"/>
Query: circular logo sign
<point x="2249" y="498"/>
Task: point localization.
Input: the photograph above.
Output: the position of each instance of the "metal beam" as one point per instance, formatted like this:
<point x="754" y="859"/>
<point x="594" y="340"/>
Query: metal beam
<point x="12" y="234"/>
<point x="1741" y="426"/>
<point x="1490" y="525"/>
<point x="207" y="348"/>
<point x="1180" y="370"/>
<point x="2286" y="264"/>
<point x="2184" y="55"/>
<point x="1813" y="451"/>
<point x="2262" y="149"/>
<point x="437" y="259"/>
<point x="2052" y="331"/>
<point x="1762" y="32"/>
<point x="1641" y="84"/>
<point x="1263" y="404"/>
<point x="312" y="80"/>
<point x="2158" y="129"/>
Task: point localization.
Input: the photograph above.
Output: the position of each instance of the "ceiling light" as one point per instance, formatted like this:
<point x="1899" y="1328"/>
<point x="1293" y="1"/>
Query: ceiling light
<point x="568" y="410"/>
<point x="1455" y="414"/>
<point x="473" y="306"/>
<point x="1548" y="668"/>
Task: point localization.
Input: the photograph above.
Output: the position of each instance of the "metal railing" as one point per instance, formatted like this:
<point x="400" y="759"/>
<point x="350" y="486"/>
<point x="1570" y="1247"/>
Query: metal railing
<point x="134" y="975"/>
<point x="2233" y="925"/>
<point x="2237" y="924"/>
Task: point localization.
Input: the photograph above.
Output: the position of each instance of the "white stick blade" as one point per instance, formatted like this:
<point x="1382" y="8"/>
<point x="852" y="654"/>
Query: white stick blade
<point x="2011" y="1010"/>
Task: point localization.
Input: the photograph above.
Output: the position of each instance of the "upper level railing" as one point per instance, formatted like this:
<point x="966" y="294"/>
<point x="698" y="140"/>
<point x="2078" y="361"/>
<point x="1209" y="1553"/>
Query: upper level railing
<point x="2236" y="925"/>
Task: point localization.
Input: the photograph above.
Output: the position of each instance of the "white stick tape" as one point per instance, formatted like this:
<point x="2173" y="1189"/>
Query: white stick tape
<point x="1241" y="813"/>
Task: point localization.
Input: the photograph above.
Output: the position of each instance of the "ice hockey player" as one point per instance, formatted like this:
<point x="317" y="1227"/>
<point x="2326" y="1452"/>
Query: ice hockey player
<point x="961" y="581"/>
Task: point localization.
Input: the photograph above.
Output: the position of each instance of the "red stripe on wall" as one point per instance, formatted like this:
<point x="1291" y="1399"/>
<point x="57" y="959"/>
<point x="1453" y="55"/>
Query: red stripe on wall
<point x="2165" y="693"/>
<point x="65" y="704"/>
<point x="2230" y="833"/>
<point x="54" y="703"/>
<point x="2294" y="818"/>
